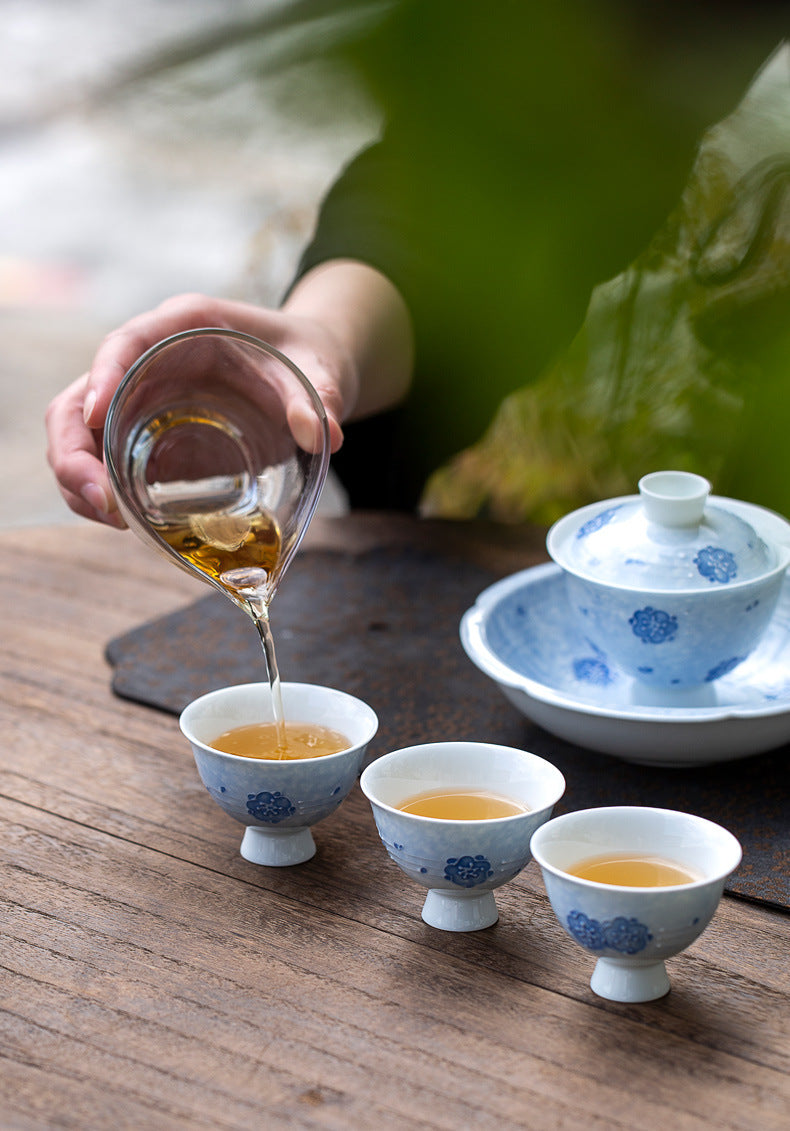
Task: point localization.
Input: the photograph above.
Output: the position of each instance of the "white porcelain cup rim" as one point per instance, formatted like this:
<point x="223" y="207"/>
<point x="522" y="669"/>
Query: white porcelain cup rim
<point x="200" y="703"/>
<point x="375" y="768"/>
<point x="731" y="849"/>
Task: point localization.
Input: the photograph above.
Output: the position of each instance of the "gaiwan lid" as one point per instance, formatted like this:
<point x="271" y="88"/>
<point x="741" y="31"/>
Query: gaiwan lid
<point x="672" y="535"/>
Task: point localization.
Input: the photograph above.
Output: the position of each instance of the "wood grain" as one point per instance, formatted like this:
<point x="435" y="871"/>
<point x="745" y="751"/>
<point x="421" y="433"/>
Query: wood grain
<point x="152" y="978"/>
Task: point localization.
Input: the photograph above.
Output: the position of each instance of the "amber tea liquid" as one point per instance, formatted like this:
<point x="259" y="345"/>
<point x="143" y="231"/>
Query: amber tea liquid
<point x="264" y="740"/>
<point x="462" y="805"/>
<point x="632" y="871"/>
<point x="227" y="547"/>
<point x="240" y="551"/>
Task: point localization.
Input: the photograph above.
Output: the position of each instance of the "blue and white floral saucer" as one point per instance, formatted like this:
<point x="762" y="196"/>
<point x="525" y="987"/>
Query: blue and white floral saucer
<point x="520" y="632"/>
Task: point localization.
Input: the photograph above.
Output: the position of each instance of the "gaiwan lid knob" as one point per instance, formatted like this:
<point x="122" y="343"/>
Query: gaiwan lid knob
<point x="672" y="535"/>
<point x="674" y="498"/>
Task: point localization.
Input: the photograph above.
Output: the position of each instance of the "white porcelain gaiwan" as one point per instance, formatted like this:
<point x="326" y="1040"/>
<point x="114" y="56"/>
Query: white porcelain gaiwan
<point x="277" y="800"/>
<point x="674" y="585"/>
<point x="630" y="931"/>
<point x="461" y="862"/>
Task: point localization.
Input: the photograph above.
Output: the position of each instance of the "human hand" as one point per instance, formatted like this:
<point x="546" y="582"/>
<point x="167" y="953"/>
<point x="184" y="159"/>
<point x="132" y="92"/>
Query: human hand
<point x="76" y="417"/>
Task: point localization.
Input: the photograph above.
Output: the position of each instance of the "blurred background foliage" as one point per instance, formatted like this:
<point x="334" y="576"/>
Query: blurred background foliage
<point x="534" y="151"/>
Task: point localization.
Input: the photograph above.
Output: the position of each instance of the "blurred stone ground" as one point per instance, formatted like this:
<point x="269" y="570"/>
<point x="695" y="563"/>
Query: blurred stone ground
<point x="123" y="180"/>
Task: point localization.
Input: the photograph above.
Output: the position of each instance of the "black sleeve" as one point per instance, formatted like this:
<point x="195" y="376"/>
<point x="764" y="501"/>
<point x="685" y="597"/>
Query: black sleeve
<point x="364" y="216"/>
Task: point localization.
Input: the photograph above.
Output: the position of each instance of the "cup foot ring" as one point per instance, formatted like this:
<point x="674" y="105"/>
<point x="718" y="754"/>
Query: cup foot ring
<point x="618" y="979"/>
<point x="277" y="848"/>
<point x="459" y="911"/>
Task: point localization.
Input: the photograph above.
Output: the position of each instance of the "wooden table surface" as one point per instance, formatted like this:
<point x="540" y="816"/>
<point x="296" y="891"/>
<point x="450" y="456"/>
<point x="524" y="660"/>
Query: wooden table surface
<point x="152" y="978"/>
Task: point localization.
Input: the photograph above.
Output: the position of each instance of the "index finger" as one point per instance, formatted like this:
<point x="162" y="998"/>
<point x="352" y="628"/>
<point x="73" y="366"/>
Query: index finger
<point x="74" y="453"/>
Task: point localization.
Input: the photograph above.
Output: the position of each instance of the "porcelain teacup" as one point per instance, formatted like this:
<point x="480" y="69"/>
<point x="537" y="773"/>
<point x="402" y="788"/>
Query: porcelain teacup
<point x="278" y="800"/>
<point x="631" y="930"/>
<point x="461" y="862"/>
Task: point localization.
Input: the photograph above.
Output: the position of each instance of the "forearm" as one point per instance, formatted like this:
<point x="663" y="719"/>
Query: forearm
<point x="365" y="312"/>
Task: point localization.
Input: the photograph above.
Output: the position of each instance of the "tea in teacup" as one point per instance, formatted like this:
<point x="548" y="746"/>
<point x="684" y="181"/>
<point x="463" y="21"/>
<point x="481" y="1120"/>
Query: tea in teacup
<point x="462" y="805"/>
<point x="633" y="871"/>
<point x="264" y="740"/>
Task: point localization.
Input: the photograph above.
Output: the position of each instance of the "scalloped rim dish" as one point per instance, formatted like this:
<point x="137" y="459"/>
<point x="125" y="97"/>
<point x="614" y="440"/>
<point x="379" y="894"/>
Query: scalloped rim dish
<point x="520" y="634"/>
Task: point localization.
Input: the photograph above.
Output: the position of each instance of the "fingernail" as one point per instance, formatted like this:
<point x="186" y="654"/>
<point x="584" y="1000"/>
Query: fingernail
<point x="88" y="407"/>
<point x="96" y="497"/>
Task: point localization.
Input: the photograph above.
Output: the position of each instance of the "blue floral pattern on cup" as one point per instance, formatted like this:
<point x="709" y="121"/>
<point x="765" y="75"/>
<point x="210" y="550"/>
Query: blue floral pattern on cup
<point x="468" y="871"/>
<point x="628" y="936"/>
<point x="653" y="626"/>
<point x="601" y="519"/>
<point x="723" y="668"/>
<point x="593" y="670"/>
<point x="270" y="807"/>
<point x="717" y="564"/>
